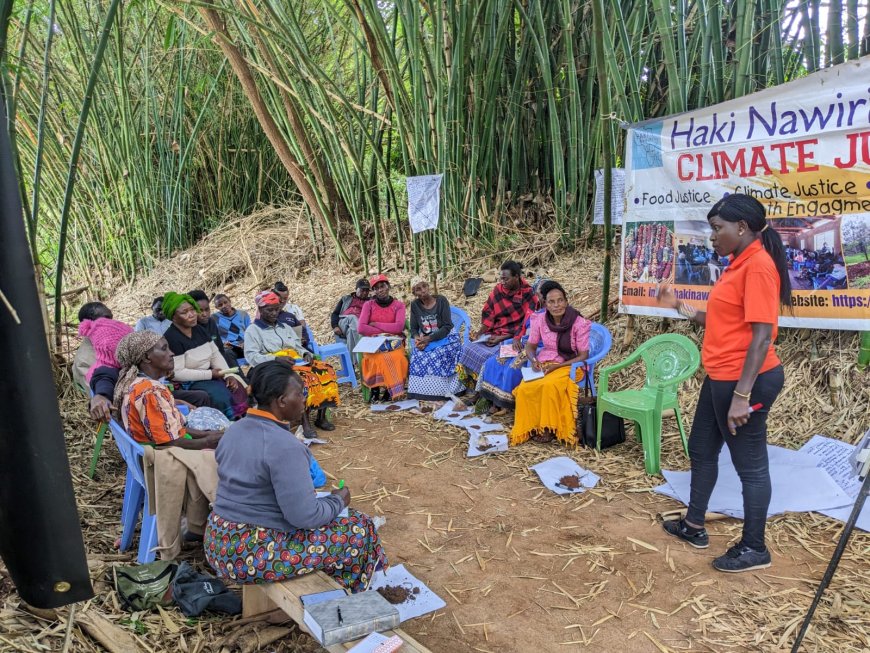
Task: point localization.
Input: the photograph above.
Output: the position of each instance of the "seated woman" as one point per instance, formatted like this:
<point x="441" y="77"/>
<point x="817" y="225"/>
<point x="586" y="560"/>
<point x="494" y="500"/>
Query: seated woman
<point x="267" y="338"/>
<point x="144" y="404"/>
<point x="547" y="407"/>
<point x="436" y="347"/>
<point x="345" y="317"/>
<point x="383" y="315"/>
<point x="501" y="374"/>
<point x="104" y="334"/>
<point x="231" y="323"/>
<point x="85" y="355"/>
<point x="502" y="319"/>
<point x="267" y="523"/>
<point x="199" y="364"/>
<point x="208" y="322"/>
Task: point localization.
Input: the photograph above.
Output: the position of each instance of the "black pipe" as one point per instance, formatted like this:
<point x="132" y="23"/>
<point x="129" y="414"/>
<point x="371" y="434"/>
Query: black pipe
<point x="40" y="533"/>
<point x="835" y="560"/>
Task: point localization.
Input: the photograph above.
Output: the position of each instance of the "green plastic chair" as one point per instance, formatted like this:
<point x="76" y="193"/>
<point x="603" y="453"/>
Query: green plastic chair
<point x="669" y="359"/>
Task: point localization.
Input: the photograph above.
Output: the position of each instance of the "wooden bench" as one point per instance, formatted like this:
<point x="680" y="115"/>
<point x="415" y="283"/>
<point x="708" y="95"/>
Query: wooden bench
<point x="260" y="599"/>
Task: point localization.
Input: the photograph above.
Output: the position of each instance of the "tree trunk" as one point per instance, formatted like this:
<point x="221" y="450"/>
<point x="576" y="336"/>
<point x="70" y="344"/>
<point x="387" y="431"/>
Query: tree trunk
<point x="270" y="128"/>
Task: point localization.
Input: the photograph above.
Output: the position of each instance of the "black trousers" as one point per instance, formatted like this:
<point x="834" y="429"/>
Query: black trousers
<point x="748" y="450"/>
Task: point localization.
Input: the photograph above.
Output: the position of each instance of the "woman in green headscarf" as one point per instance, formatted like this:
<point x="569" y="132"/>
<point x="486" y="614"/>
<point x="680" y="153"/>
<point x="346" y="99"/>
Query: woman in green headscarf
<point x="199" y="364"/>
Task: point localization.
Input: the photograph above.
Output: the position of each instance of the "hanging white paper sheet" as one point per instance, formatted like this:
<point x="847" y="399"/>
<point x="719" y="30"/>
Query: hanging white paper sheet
<point x="493" y="443"/>
<point x="798" y="485"/>
<point x="424" y="202"/>
<point x="422" y="603"/>
<point x="617" y="196"/>
<point x="834" y="457"/>
<point x="396" y="406"/>
<point x="369" y="344"/>
<point x="551" y="471"/>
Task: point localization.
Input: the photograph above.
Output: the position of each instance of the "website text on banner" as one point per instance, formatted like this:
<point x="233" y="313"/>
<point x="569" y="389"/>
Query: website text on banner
<point x="801" y="149"/>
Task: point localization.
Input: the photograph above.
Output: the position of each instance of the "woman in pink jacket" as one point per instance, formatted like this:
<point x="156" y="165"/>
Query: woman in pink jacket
<point x="384" y="316"/>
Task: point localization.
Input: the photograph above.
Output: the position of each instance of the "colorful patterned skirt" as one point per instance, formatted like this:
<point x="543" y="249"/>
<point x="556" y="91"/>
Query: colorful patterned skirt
<point x="471" y="361"/>
<point x="348" y="549"/>
<point x="498" y="379"/>
<point x="433" y="371"/>
<point x="386" y="369"/>
<point x="548" y="404"/>
<point x="319" y="378"/>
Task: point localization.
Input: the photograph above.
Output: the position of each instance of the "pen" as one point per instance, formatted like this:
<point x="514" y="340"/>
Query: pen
<point x="340" y="620"/>
<point x="752" y="409"/>
<point x="341" y="482"/>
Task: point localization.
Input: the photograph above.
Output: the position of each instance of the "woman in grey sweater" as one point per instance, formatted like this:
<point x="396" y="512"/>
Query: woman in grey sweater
<point x="435" y="349"/>
<point x="267" y="522"/>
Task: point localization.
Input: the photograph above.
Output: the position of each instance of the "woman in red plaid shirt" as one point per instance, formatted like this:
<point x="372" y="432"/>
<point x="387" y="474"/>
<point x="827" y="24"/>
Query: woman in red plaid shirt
<point x="503" y="317"/>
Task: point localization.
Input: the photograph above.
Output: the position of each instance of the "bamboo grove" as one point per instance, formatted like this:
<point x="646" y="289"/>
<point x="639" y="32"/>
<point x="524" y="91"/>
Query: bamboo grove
<point x="139" y="124"/>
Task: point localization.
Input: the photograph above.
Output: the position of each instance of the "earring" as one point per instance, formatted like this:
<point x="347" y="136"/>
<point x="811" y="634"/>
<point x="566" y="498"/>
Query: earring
<point x="740" y="233"/>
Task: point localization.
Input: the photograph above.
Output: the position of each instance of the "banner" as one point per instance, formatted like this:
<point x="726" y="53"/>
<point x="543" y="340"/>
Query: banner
<point x="803" y="150"/>
<point x="424" y="202"/>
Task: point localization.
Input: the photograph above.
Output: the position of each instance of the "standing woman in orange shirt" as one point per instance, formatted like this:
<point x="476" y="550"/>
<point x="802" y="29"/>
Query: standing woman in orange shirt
<point x="742" y="371"/>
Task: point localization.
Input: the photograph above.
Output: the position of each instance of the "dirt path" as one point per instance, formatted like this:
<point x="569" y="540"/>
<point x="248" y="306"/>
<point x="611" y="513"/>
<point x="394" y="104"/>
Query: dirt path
<point x="522" y="569"/>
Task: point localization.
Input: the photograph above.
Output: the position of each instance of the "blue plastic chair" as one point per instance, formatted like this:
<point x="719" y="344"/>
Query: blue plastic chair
<point x="600" y="341"/>
<point x="135" y="497"/>
<point x="346" y="374"/>
<point x="461" y="324"/>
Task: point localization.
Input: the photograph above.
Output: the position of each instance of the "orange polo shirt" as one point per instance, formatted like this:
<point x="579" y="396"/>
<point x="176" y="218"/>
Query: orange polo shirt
<point x="746" y="292"/>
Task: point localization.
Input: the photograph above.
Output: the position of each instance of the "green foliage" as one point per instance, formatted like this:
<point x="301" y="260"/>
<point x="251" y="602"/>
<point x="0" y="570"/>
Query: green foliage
<point x="502" y="96"/>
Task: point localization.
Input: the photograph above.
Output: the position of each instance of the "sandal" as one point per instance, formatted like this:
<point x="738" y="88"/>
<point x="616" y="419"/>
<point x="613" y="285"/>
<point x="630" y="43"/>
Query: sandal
<point x="543" y="438"/>
<point x="497" y="411"/>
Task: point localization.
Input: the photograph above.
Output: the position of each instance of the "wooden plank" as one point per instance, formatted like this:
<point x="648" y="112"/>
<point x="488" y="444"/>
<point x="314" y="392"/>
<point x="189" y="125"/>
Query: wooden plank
<point x="285" y="596"/>
<point x="255" y="601"/>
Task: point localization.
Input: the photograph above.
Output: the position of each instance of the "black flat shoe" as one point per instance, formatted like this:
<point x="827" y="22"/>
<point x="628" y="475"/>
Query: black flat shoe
<point x="322" y="422"/>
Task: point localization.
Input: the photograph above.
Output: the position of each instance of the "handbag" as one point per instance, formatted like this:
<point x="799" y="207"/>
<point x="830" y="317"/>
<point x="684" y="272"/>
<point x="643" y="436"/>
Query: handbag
<point x="612" y="426"/>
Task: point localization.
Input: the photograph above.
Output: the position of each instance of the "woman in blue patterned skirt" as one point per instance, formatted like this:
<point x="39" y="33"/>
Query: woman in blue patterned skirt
<point x="436" y="347"/>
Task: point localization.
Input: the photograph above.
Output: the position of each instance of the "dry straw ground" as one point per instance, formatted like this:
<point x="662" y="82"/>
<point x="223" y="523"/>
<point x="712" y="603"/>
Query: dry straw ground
<point x="520" y="569"/>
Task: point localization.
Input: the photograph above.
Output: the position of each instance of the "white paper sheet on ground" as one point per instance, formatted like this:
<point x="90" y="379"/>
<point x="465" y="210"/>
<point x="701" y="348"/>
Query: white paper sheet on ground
<point x="798" y="485"/>
<point x="320" y="495"/>
<point x="494" y="444"/>
<point x="309" y="441"/>
<point x="550" y="471"/>
<point x="369" y="344"/>
<point x="530" y="375"/>
<point x="395" y="406"/>
<point x="833" y="456"/>
<point x="422" y="603"/>
<point x="477" y="425"/>
<point x="444" y="413"/>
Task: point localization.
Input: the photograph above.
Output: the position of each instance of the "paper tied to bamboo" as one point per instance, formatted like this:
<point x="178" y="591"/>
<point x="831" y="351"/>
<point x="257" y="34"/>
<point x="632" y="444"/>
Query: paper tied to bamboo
<point x="424" y="202"/>
<point x="617" y="196"/>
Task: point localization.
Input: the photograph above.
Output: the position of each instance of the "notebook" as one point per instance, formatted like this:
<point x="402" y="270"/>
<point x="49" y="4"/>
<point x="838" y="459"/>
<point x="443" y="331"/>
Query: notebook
<point x="361" y="614"/>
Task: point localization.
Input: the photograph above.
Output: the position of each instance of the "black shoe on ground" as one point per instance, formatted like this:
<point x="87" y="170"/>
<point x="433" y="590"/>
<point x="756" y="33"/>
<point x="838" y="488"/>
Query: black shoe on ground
<point x="322" y="422"/>
<point x="678" y="528"/>
<point x="742" y="558"/>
